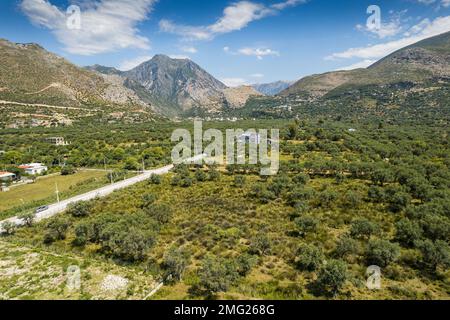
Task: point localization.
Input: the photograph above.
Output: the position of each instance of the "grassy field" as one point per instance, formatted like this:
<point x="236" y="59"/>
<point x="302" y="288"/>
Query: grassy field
<point x="43" y="190"/>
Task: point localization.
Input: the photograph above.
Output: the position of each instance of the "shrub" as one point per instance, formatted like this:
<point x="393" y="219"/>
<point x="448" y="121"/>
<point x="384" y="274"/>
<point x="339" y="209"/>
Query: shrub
<point x="215" y="275"/>
<point x="382" y="252"/>
<point x="200" y="176"/>
<point x="260" y="245"/>
<point x="408" y="232"/>
<point x="346" y="247"/>
<point x="148" y="200"/>
<point x="67" y="170"/>
<point x="9" y="227"/>
<point x="309" y="258"/>
<point x="332" y="276"/>
<point x="80" y="209"/>
<point x="363" y="228"/>
<point x="155" y="179"/>
<point x="239" y="181"/>
<point x="306" y="224"/>
<point x="27" y="218"/>
<point x="175" y="262"/>
<point x="435" y="254"/>
<point x="56" y="229"/>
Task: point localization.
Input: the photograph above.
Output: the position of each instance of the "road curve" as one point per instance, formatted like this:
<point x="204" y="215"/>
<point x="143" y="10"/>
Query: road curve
<point x="98" y="193"/>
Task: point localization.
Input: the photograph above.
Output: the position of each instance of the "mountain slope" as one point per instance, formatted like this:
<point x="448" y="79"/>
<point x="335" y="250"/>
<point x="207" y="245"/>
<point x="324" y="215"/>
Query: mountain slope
<point x="30" y="74"/>
<point x="419" y="62"/>
<point x="273" y="88"/>
<point x="177" y="85"/>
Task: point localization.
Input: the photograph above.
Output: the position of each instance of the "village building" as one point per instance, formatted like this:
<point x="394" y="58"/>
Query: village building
<point x="57" y="141"/>
<point x="34" y="168"/>
<point x="6" y="176"/>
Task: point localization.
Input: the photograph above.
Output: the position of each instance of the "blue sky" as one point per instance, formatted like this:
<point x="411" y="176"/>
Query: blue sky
<point x="239" y="42"/>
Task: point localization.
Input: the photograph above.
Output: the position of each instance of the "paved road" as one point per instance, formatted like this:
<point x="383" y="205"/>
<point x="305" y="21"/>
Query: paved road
<point x="98" y="193"/>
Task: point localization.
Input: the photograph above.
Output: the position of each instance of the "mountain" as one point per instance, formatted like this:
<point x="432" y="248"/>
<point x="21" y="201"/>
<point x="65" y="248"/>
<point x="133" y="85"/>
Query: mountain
<point x="30" y="74"/>
<point x="418" y="63"/>
<point x="273" y="88"/>
<point x="175" y="87"/>
<point x="237" y="97"/>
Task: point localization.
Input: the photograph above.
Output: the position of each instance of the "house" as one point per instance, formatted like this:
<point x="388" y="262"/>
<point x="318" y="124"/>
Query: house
<point x="6" y="176"/>
<point x="57" y="141"/>
<point x="33" y="168"/>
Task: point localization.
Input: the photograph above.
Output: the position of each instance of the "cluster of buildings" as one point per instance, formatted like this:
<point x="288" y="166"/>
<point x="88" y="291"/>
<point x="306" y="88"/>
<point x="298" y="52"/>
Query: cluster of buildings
<point x="31" y="169"/>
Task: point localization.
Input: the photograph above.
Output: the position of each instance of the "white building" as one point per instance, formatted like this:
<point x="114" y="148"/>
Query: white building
<point x="33" y="168"/>
<point x="6" y="176"/>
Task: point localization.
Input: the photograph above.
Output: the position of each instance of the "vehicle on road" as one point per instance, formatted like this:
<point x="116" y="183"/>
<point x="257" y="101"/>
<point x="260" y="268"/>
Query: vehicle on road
<point x="41" y="209"/>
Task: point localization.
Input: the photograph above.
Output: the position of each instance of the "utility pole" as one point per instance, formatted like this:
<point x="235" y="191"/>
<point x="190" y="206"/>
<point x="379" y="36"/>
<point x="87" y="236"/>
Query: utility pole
<point x="57" y="192"/>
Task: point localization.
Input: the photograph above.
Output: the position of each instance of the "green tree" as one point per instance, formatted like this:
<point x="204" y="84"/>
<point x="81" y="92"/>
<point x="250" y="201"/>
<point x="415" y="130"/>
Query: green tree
<point x="27" y="218"/>
<point x="382" y="252"/>
<point x="332" y="276"/>
<point x="363" y="229"/>
<point x="306" y="224"/>
<point x="408" y="232"/>
<point x="309" y="258"/>
<point x="155" y="179"/>
<point x="175" y="262"/>
<point x="346" y="247"/>
<point x="80" y="209"/>
<point x="435" y="254"/>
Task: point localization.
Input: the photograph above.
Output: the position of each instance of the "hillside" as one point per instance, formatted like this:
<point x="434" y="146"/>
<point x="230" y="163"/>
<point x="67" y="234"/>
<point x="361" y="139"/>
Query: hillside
<point x="425" y="60"/>
<point x="30" y="74"/>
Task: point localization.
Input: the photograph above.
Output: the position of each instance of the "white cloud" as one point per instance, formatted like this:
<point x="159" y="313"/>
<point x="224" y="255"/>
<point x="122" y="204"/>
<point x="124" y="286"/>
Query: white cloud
<point x="234" y="82"/>
<point x="443" y="3"/>
<point x="423" y="30"/>
<point x="235" y="17"/>
<point x="132" y="63"/>
<point x="257" y="75"/>
<point x="287" y="4"/>
<point x="106" y="25"/>
<point x="362" y="64"/>
<point x="189" y="49"/>
<point x="258" y="52"/>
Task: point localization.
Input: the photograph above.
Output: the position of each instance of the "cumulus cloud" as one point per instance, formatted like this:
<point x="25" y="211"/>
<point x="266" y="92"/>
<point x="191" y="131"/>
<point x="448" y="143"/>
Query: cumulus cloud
<point x="106" y="25"/>
<point x="421" y="31"/>
<point x="132" y="63"/>
<point x="235" y="17"/>
<point x="258" y="52"/>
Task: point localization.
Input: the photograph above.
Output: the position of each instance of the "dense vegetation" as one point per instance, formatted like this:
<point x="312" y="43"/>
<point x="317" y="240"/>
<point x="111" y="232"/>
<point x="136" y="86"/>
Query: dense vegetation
<point x="342" y="201"/>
